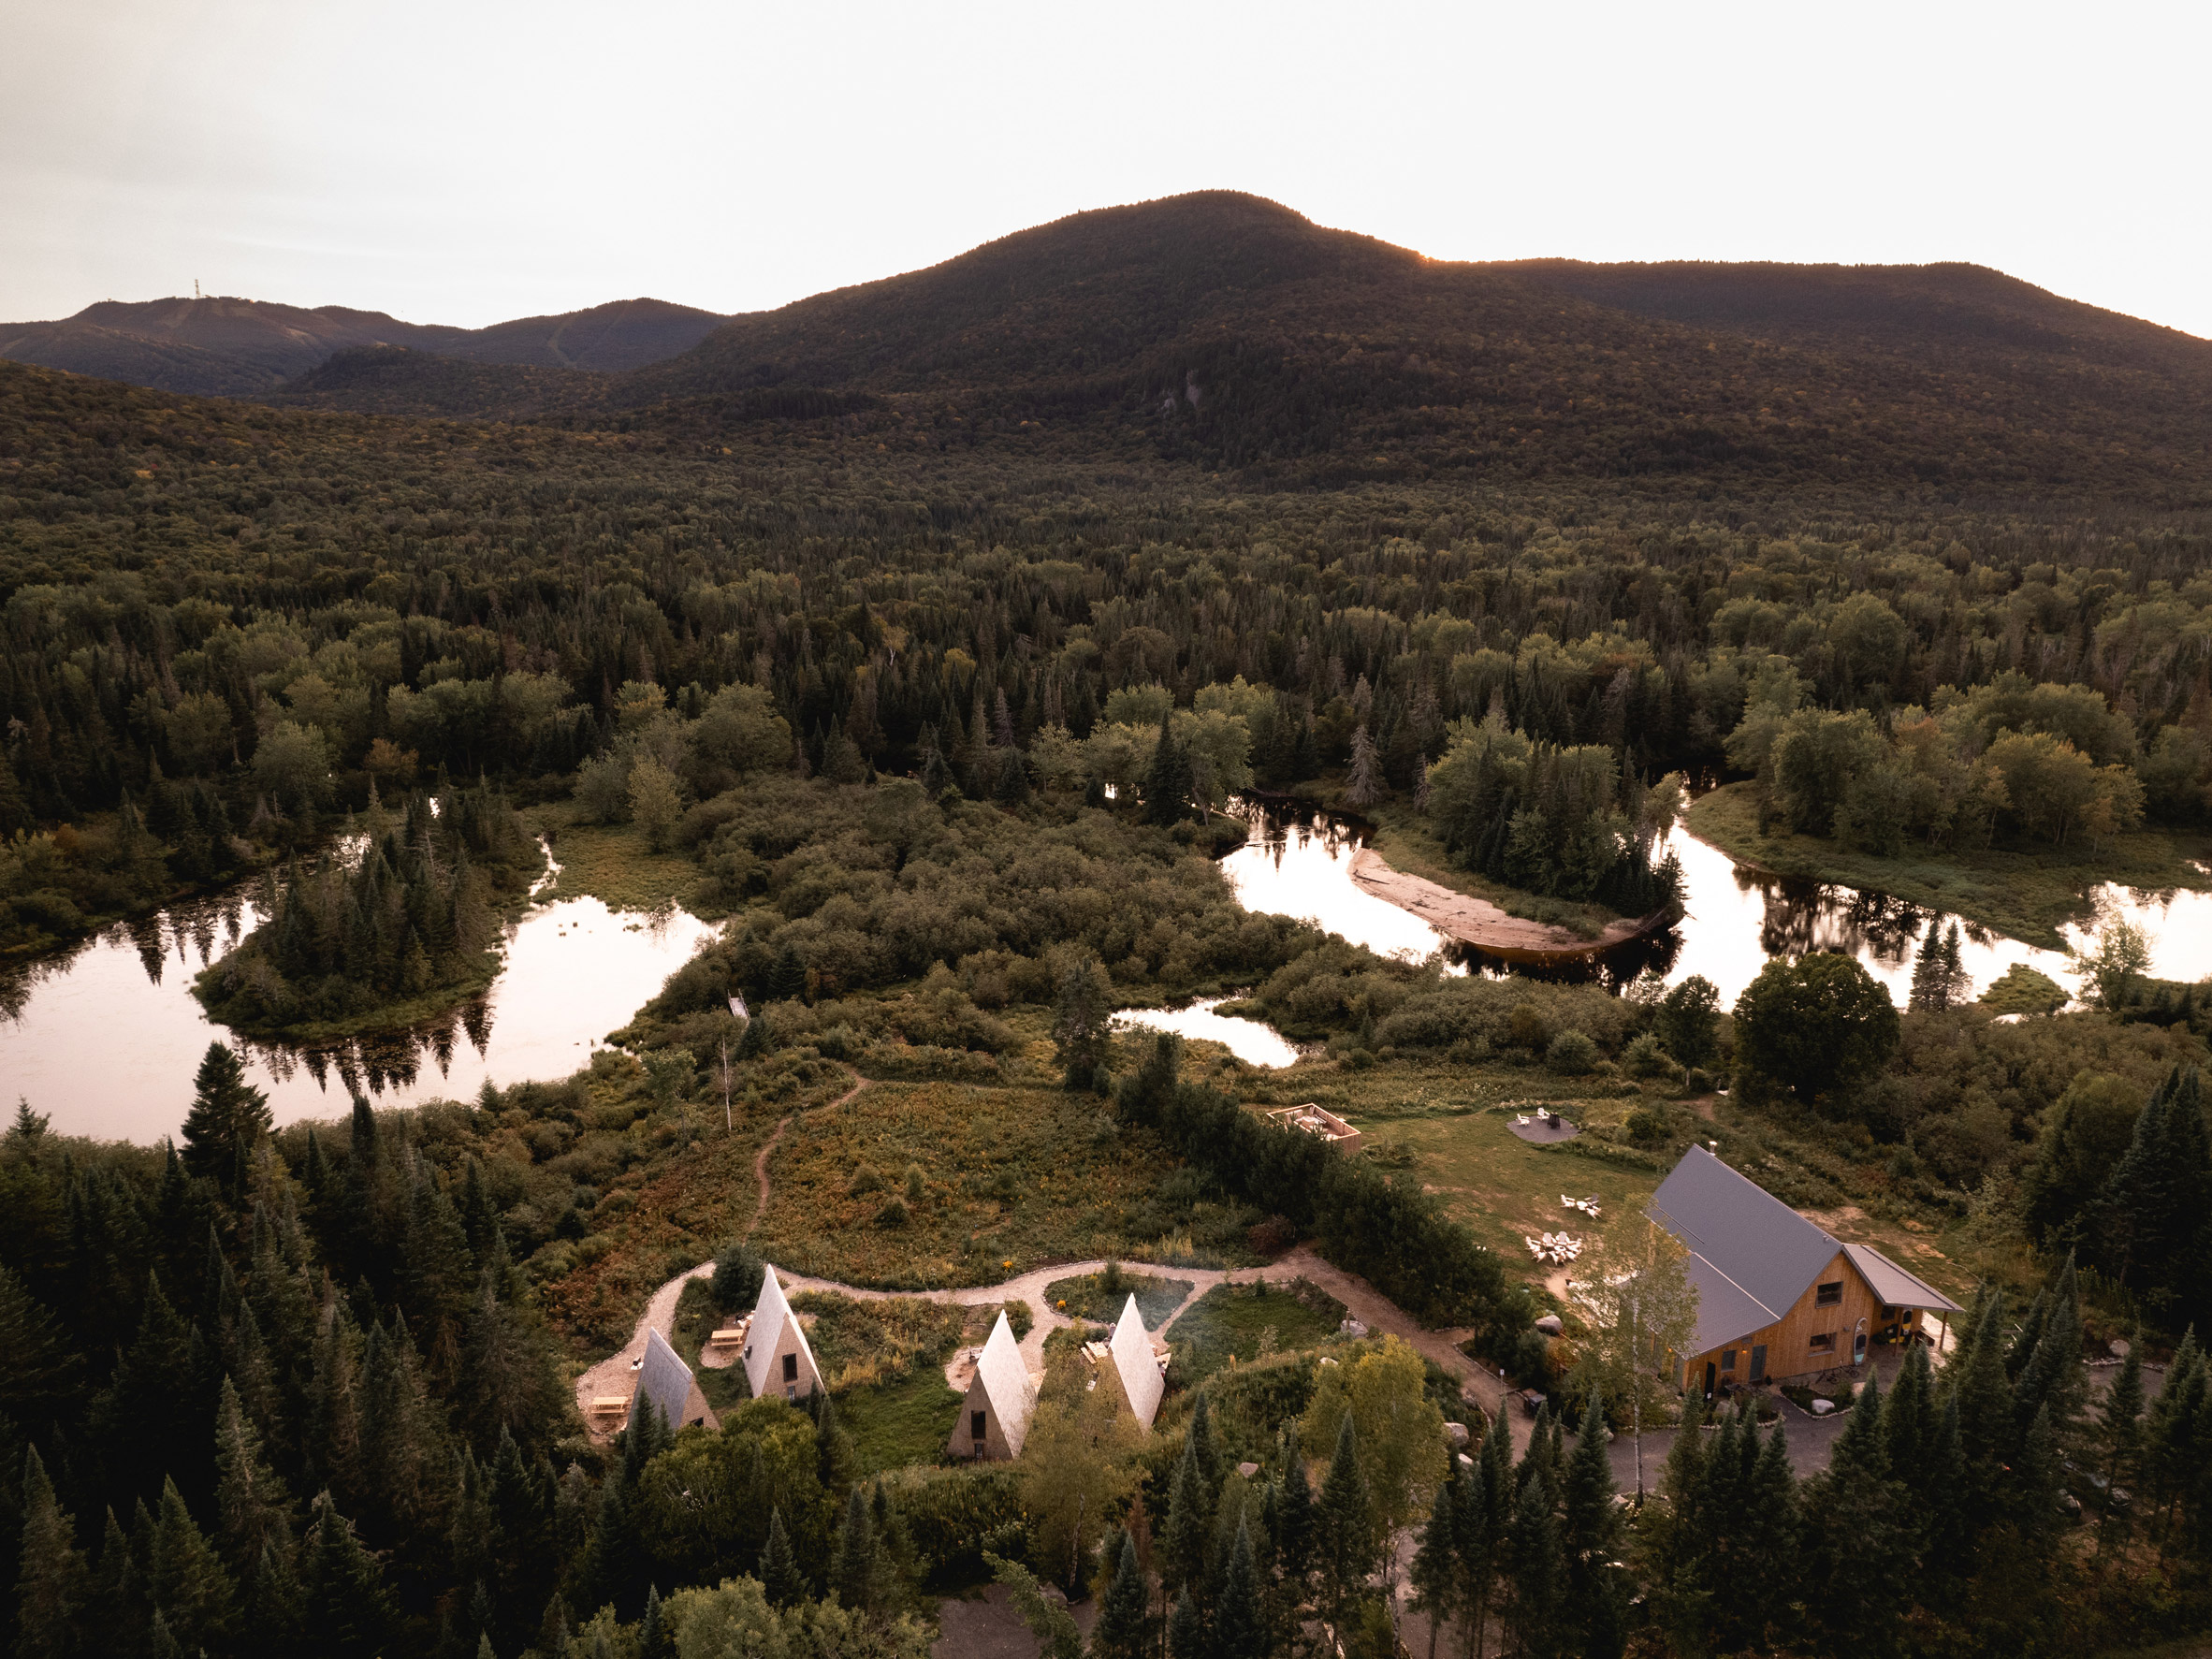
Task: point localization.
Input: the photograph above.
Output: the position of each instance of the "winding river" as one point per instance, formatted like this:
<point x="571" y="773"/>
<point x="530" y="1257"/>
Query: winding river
<point x="1297" y="862"/>
<point x="105" y="1037"/>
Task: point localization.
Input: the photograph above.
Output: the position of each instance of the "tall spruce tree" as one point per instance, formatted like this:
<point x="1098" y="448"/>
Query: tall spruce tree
<point x="780" y="1576"/>
<point x="1124" y="1630"/>
<point x="226" y="1120"/>
<point x="344" y="1600"/>
<point x="1535" y="1572"/>
<point x="2119" y="1442"/>
<point x="1435" y="1571"/>
<point x="188" y="1583"/>
<point x="1240" y="1622"/>
<point x="53" y="1582"/>
<point x="1167" y="781"/>
<point x="1589" y="1536"/>
<point x="1345" y="1534"/>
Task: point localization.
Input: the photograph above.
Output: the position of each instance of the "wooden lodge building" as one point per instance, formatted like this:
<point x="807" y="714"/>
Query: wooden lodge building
<point x="1777" y="1298"/>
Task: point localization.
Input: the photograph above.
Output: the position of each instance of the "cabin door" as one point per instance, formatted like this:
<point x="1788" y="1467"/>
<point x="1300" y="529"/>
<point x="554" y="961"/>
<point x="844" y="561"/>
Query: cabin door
<point x="1709" y="1379"/>
<point x="1858" y="1347"/>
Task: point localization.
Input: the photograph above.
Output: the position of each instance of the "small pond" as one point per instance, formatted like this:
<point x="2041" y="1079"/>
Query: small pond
<point x="1252" y="1041"/>
<point x="106" y="1037"/>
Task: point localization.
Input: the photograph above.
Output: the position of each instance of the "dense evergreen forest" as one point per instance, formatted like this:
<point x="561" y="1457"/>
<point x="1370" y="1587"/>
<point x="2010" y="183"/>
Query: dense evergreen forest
<point x="933" y="624"/>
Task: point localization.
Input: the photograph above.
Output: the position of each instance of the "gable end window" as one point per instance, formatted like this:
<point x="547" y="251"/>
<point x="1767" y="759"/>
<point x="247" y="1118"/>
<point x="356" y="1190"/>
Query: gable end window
<point x="1829" y="1295"/>
<point x="1825" y="1343"/>
<point x="791" y="1368"/>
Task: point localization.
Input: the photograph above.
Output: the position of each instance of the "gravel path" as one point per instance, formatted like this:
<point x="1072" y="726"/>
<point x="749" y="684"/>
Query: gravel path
<point x="613" y="1374"/>
<point x="1361" y="1301"/>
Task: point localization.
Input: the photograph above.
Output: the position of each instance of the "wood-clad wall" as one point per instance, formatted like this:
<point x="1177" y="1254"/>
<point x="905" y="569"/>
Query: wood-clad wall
<point x="1789" y="1339"/>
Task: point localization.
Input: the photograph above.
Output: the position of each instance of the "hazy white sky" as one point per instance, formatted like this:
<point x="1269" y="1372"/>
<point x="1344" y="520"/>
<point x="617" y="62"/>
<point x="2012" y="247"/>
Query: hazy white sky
<point x="462" y="161"/>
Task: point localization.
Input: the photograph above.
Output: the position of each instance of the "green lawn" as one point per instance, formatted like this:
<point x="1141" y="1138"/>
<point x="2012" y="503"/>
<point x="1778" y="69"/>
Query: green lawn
<point x="1245" y="1320"/>
<point x="893" y="1424"/>
<point x="2026" y="893"/>
<point x="696" y="1318"/>
<point x="1088" y="1298"/>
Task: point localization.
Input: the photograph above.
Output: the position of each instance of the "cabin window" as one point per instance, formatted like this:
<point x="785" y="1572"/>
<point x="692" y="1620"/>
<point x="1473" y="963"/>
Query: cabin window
<point x="1829" y="1295"/>
<point x="975" y="1425"/>
<point x="1825" y="1343"/>
<point x="1758" y="1370"/>
<point x="791" y="1368"/>
<point x="1888" y="1313"/>
<point x="1727" y="1359"/>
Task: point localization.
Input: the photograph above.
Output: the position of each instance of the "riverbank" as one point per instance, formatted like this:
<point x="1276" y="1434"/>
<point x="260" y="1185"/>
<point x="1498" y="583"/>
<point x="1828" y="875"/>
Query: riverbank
<point x="1407" y="842"/>
<point x="1478" y="923"/>
<point x="2026" y="895"/>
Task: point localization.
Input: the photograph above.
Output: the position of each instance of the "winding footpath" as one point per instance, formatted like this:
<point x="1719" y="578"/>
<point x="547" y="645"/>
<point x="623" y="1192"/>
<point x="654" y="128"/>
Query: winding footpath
<point x="1479" y="1387"/>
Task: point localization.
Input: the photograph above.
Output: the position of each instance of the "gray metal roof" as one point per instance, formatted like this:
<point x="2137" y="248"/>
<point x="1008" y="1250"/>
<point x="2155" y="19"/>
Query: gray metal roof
<point x="1752" y="1256"/>
<point x="1895" y="1286"/>
<point x="663" y="1380"/>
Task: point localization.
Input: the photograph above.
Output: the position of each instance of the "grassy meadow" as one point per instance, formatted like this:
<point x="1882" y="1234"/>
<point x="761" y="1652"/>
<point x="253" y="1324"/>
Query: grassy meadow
<point x="1011" y="1178"/>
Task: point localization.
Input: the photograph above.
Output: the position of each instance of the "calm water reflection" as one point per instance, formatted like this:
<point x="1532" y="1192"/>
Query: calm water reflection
<point x="1298" y="863"/>
<point x="107" y="1037"/>
<point x="1251" y="1041"/>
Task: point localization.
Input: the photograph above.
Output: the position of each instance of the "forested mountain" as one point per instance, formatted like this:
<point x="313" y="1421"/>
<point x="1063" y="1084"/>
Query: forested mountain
<point x="227" y="347"/>
<point x="1229" y="332"/>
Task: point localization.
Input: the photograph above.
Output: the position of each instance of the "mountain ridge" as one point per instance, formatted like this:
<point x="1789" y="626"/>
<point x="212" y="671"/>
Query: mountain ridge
<point x="221" y="345"/>
<point x="1228" y="330"/>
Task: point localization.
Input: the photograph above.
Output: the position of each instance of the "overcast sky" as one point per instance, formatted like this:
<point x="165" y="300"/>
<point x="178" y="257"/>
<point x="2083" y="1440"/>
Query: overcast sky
<point x="459" y="161"/>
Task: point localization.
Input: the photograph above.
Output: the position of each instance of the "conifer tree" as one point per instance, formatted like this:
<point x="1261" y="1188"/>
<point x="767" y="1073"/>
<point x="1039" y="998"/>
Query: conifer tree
<point x="1187" y="1638"/>
<point x="227" y="1119"/>
<point x="1295" y="1523"/>
<point x="779" y="1570"/>
<point x="2175" y="1438"/>
<point x="1166" y="783"/>
<point x="1858" y="1558"/>
<point x="117" y="1610"/>
<point x="1239" y="1624"/>
<point x="1124" y="1630"/>
<point x="655" y="1640"/>
<point x="1770" y="1580"/>
<point x="53" y="1582"/>
<point x="1182" y="1556"/>
<point x="838" y="1463"/>
<point x="1477" y="1532"/>
<point x="187" y="1581"/>
<point x="1534" y="1570"/>
<point x="252" y="1507"/>
<point x="1346" y="1532"/>
<point x="1589" y="1534"/>
<point x="345" y="1602"/>
<point x="276" y="1603"/>
<point x="855" y="1573"/>
<point x="1987" y="1433"/>
<point x="2120" y="1439"/>
<point x="1364" y="786"/>
<point x="1436" y="1572"/>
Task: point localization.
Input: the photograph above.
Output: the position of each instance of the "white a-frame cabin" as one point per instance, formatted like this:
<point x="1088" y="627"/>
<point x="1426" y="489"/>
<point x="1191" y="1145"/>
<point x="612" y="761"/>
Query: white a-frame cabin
<point x="777" y="1358"/>
<point x="995" y="1417"/>
<point x="1137" y="1364"/>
